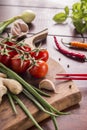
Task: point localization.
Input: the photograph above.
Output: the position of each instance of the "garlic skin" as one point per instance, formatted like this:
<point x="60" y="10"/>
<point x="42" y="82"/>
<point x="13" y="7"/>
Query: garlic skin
<point x="47" y="84"/>
<point x="19" y="29"/>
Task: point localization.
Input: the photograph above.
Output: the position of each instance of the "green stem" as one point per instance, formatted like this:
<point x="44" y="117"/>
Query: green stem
<point x="26" y="111"/>
<point x="41" y="92"/>
<point x="37" y="103"/>
<point x="4" y="24"/>
<point x="12" y="102"/>
<point x="54" y="121"/>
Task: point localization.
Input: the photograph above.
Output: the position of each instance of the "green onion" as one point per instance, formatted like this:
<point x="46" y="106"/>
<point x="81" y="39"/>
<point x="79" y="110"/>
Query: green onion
<point x="54" y="121"/>
<point x="37" y="103"/>
<point x="26" y="111"/>
<point x="12" y="102"/>
<point x="41" y="92"/>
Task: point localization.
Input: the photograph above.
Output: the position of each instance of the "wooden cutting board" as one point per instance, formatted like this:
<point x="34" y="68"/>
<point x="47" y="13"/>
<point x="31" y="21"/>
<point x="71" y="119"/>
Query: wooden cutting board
<point x="64" y="98"/>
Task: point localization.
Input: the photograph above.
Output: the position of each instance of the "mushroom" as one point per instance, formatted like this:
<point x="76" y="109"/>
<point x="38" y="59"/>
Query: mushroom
<point x="47" y="84"/>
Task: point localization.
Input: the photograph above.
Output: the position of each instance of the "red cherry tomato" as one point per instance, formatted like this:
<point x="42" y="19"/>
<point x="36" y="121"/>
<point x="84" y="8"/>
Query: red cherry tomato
<point x="40" y="70"/>
<point x="24" y="48"/>
<point x="5" y="57"/>
<point x="41" y="54"/>
<point x="12" y="52"/>
<point x="10" y="43"/>
<point x="19" y="65"/>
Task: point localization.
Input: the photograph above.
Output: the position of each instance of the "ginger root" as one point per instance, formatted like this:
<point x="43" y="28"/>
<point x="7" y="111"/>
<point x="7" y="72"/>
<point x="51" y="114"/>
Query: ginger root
<point x="3" y="90"/>
<point x="14" y="86"/>
<point x="3" y="75"/>
<point x="9" y="84"/>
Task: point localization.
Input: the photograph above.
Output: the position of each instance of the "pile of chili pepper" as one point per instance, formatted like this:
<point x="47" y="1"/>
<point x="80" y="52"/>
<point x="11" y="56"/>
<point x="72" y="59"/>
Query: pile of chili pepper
<point x="76" y="56"/>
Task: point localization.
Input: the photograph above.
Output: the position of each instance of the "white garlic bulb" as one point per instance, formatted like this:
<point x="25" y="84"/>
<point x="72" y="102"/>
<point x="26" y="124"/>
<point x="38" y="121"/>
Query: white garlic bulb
<point x="19" y="29"/>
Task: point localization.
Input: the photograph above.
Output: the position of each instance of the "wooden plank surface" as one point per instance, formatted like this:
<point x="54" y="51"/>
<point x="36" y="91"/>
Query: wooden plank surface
<point x="39" y="4"/>
<point x="64" y="98"/>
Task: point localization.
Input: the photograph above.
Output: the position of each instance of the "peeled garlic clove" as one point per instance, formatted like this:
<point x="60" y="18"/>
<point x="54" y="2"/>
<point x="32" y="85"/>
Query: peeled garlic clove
<point x="47" y="84"/>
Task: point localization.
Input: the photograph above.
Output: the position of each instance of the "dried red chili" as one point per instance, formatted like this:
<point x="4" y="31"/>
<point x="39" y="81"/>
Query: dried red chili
<point x="73" y="55"/>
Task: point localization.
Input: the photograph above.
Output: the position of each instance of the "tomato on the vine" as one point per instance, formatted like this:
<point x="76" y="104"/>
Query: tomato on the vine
<point x="19" y="65"/>
<point x="5" y="59"/>
<point x="39" y="70"/>
<point x="10" y="43"/>
<point x="25" y="48"/>
<point x="5" y="56"/>
<point x="12" y="52"/>
<point x="40" y="54"/>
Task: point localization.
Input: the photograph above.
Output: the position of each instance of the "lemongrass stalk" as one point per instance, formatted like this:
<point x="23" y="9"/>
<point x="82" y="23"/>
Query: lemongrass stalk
<point x="12" y="102"/>
<point x="37" y="103"/>
<point x="21" y="104"/>
<point x="27" y="86"/>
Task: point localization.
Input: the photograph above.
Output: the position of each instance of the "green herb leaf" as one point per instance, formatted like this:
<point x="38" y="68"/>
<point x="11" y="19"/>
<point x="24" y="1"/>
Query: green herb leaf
<point x="60" y="17"/>
<point x="78" y="16"/>
<point x="66" y="10"/>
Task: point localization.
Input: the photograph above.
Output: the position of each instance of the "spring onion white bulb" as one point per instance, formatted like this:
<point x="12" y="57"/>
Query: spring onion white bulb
<point x="28" y="16"/>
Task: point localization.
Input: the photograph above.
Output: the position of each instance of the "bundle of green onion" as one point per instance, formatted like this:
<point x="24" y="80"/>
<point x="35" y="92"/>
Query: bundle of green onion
<point x="34" y="95"/>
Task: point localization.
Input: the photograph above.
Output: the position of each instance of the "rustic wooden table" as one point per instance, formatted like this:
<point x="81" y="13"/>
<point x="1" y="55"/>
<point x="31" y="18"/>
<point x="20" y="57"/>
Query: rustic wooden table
<point x="45" y="10"/>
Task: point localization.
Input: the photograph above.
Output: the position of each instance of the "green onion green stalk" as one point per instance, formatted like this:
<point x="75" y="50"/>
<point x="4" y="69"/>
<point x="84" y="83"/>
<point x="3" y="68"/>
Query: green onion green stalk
<point x="26" y="111"/>
<point x="12" y="102"/>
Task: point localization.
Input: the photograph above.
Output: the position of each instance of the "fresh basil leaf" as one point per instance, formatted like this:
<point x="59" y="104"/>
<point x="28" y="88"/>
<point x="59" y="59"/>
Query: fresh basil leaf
<point x="80" y="27"/>
<point x="66" y="10"/>
<point x="78" y="16"/>
<point x="60" y="17"/>
<point x="83" y="0"/>
<point x="76" y="7"/>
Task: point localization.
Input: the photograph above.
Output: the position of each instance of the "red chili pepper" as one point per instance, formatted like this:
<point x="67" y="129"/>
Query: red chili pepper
<point x="73" y="55"/>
